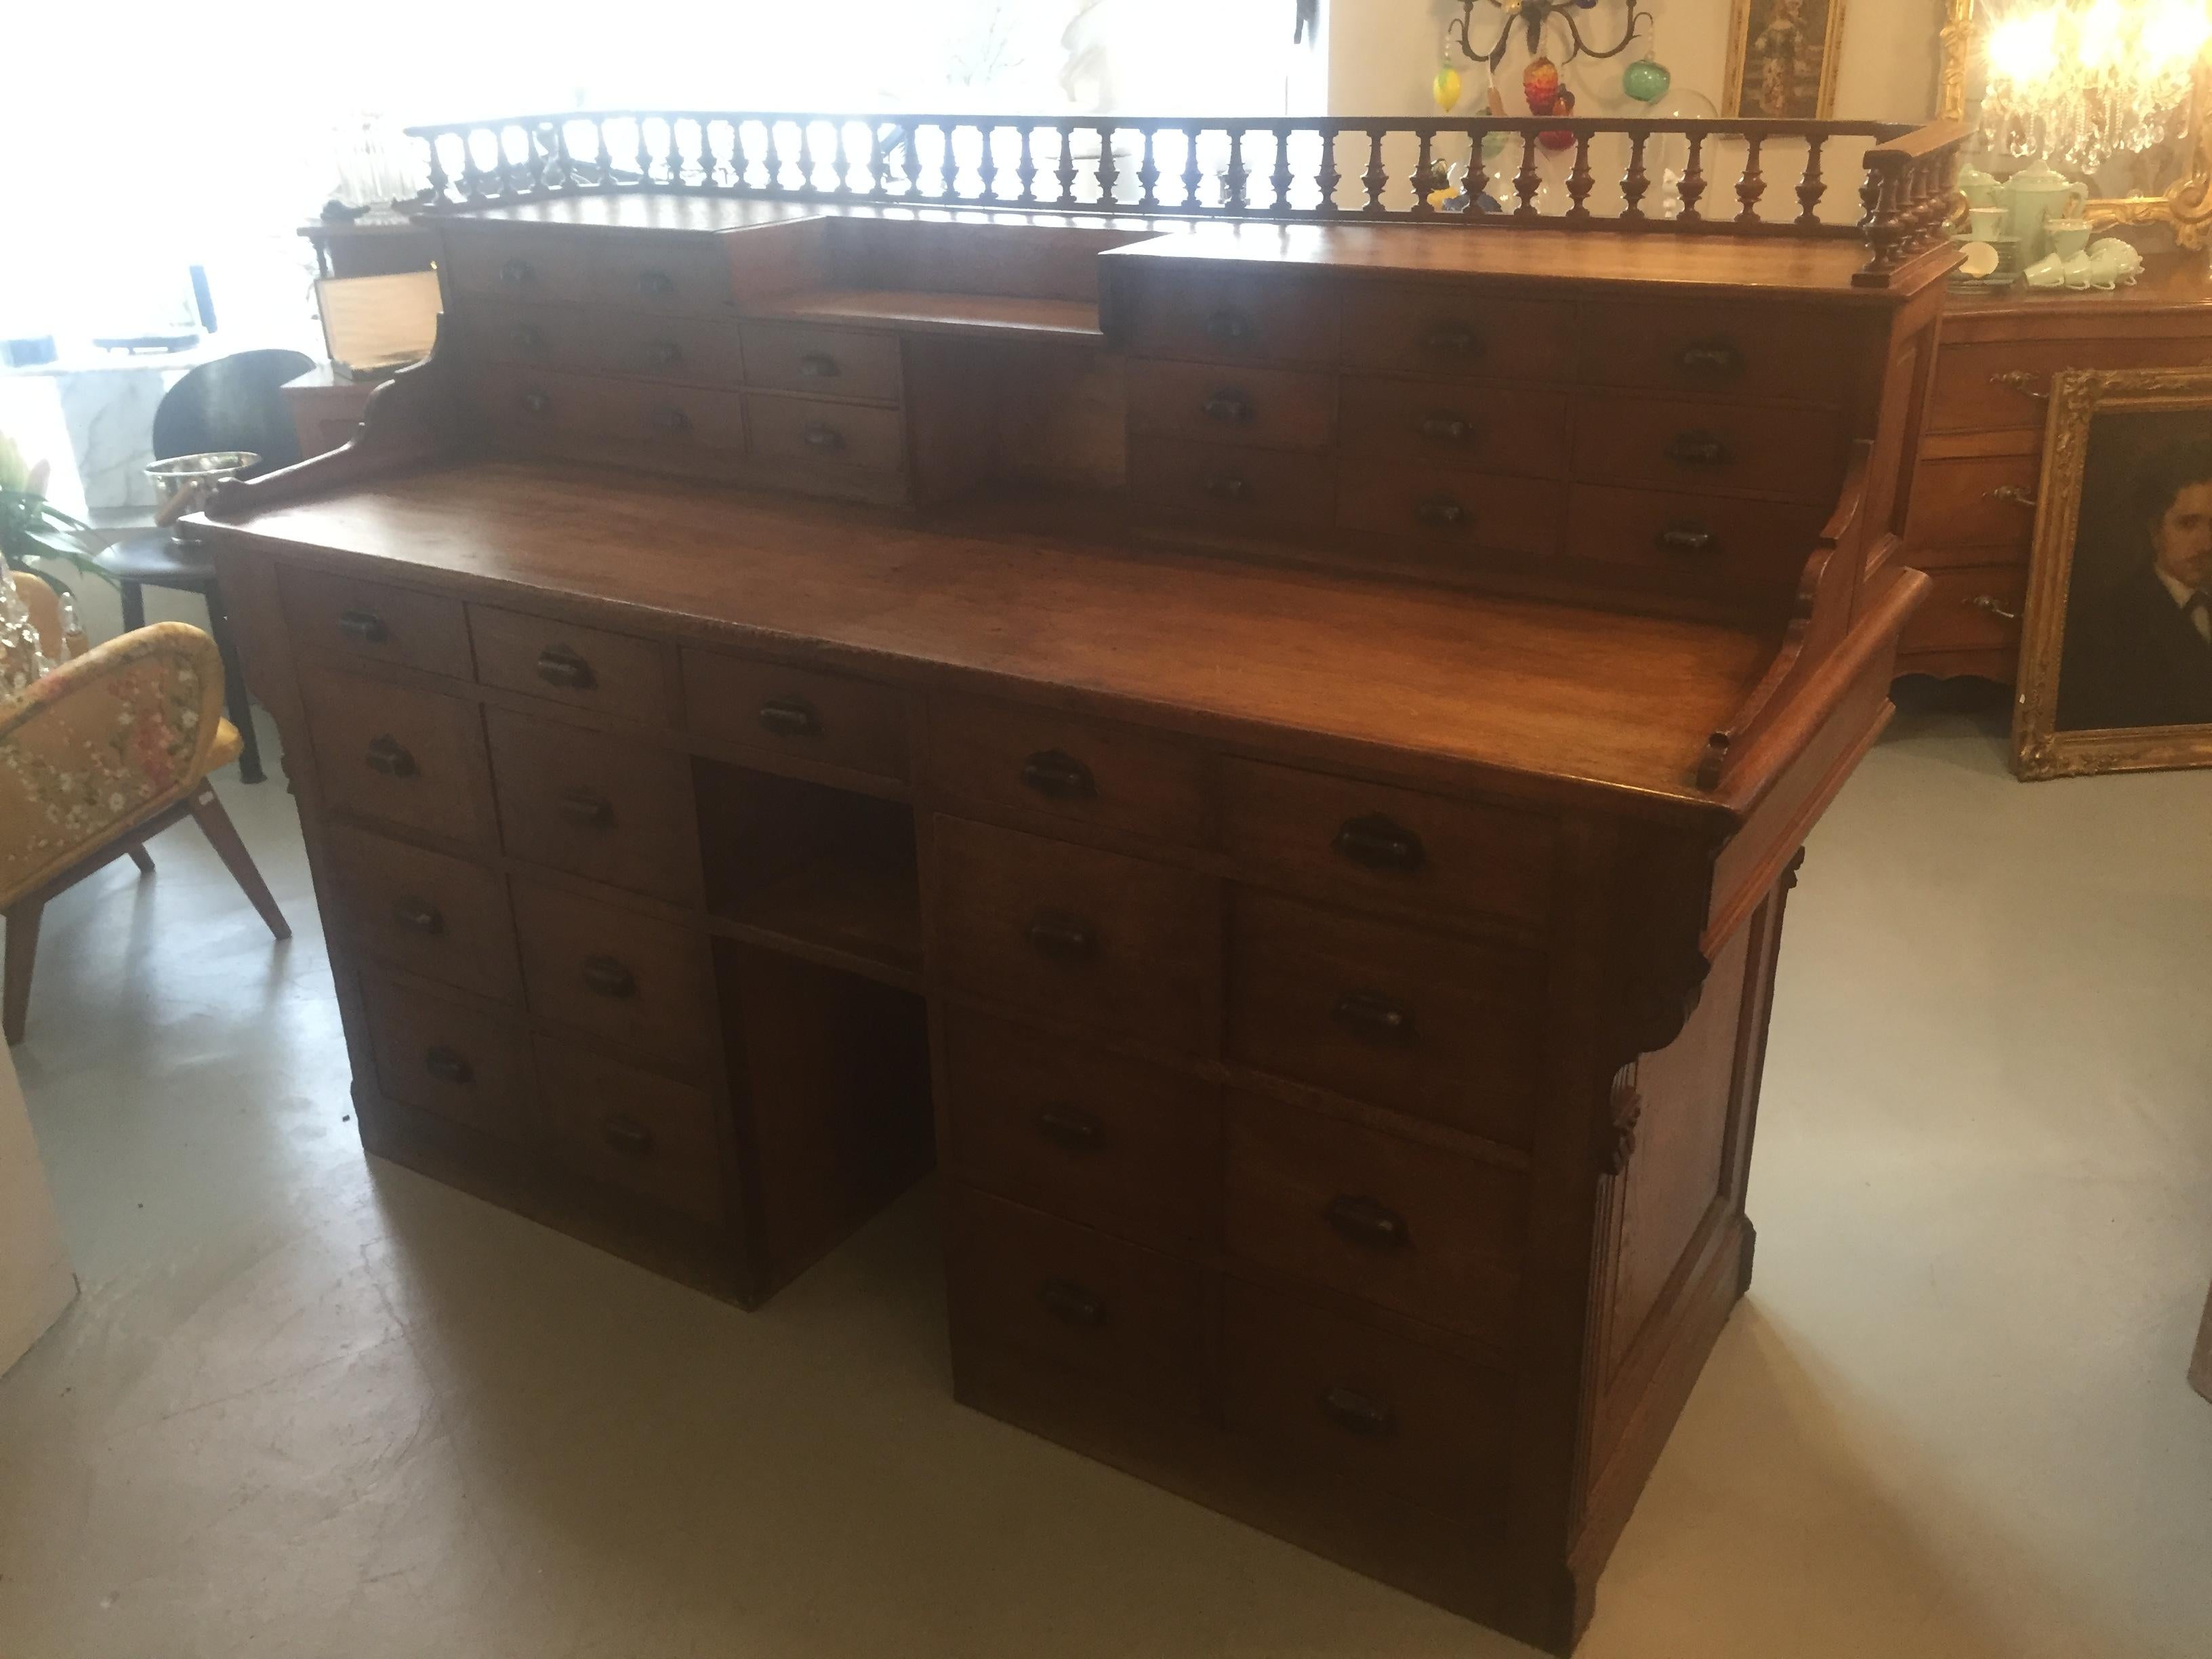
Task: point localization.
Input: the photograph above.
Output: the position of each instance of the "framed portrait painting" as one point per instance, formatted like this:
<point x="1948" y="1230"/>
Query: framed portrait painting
<point x="2115" y="640"/>
<point x="1781" y="59"/>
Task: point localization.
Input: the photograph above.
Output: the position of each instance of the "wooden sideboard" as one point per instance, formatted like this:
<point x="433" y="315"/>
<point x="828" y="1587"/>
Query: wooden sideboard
<point x="1273" y="754"/>
<point x="1981" y="452"/>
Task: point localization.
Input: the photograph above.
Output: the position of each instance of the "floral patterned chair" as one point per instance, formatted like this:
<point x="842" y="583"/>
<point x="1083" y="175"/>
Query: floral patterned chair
<point x="104" y="752"/>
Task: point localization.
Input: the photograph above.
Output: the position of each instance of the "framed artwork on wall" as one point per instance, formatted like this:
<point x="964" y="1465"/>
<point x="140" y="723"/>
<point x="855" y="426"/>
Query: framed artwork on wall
<point x="1781" y="59"/>
<point x="2116" y="642"/>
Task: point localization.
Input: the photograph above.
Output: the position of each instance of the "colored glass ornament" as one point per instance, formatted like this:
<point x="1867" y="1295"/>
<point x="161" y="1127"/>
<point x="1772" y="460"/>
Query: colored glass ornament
<point x="1646" y="80"/>
<point x="1539" y="84"/>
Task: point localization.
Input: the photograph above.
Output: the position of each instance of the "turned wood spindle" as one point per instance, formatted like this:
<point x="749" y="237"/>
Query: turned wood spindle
<point x="1752" y="185"/>
<point x="1693" y="176"/>
<point x="986" y="169"/>
<point x="1377" y="175"/>
<point x="1233" y="179"/>
<point x="1526" y="181"/>
<point x="1281" y="177"/>
<point x="438" y="180"/>
<point x="1478" y="174"/>
<point x="1328" y="178"/>
<point x="771" y="158"/>
<point x="1025" y="169"/>
<point x="644" y="157"/>
<point x="1421" y="182"/>
<point x="674" y="161"/>
<point x="1191" y="176"/>
<point x="1065" y="172"/>
<point x="1581" y="178"/>
<point x="1107" y="174"/>
<point x="1636" y="181"/>
<point x="606" y="158"/>
<point x="1148" y="174"/>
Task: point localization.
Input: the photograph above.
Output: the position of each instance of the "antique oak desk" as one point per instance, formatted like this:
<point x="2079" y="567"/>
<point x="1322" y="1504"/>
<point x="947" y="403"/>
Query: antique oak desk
<point x="1270" y="750"/>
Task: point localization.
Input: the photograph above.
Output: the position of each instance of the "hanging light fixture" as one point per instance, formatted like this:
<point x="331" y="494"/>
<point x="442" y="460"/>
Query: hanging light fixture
<point x="2079" y="81"/>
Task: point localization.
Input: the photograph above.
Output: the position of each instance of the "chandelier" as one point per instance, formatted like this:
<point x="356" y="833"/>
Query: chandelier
<point x="2079" y="81"/>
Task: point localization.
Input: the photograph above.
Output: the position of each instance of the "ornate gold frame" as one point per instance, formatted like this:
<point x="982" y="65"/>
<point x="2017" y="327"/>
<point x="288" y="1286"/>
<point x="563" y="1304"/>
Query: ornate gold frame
<point x="2039" y="749"/>
<point x="1831" y="56"/>
<point x="2187" y="206"/>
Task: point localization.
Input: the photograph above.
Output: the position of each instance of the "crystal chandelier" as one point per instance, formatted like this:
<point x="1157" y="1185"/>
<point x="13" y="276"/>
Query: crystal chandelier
<point x="2079" y="81"/>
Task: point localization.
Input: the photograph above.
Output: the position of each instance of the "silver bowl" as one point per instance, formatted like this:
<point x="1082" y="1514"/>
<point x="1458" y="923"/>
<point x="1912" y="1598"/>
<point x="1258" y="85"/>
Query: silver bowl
<point x="196" y="474"/>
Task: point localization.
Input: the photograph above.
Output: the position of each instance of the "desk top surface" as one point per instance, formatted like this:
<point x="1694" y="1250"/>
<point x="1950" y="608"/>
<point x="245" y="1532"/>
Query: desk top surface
<point x="1539" y="690"/>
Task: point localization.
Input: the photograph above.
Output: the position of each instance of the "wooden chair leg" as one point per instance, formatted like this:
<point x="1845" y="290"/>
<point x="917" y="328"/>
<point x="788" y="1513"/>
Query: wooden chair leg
<point x="134" y="607"/>
<point x="223" y="834"/>
<point x="239" y="702"/>
<point x="143" y="860"/>
<point x="22" y="952"/>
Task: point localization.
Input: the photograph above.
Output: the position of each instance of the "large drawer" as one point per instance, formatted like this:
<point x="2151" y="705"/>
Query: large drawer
<point x="1224" y="316"/>
<point x="1121" y="1315"/>
<point x="1121" y="943"/>
<point x="1698" y="542"/>
<point x="825" y="362"/>
<point x="441" y="1058"/>
<point x="1441" y="507"/>
<point x="374" y="622"/>
<point x="1453" y="333"/>
<point x="680" y="275"/>
<point x="631" y="979"/>
<point x="1230" y="488"/>
<point x="1264" y="408"/>
<point x="516" y="264"/>
<point x="1682" y="444"/>
<point x="835" y="434"/>
<point x="583" y="667"/>
<point x="1003" y="757"/>
<point x="1971" y="510"/>
<point x="405" y="757"/>
<point x="778" y="709"/>
<point x="543" y="337"/>
<point x="443" y="918"/>
<point x="635" y="1131"/>
<point x="1349" y="1401"/>
<point x="1377" y="844"/>
<point x="1456" y="426"/>
<point x="1441" y="1027"/>
<point x="1721" y="347"/>
<point x="661" y="416"/>
<point x="598" y="807"/>
<point x="1128" y="1147"/>
<point x="1398" y="1222"/>
<point x="698" y="350"/>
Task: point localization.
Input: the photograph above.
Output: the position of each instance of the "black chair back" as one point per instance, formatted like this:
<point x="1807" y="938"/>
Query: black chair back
<point x="232" y="403"/>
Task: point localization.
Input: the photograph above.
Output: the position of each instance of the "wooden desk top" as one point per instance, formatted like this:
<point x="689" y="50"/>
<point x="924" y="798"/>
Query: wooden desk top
<point x="1462" y="683"/>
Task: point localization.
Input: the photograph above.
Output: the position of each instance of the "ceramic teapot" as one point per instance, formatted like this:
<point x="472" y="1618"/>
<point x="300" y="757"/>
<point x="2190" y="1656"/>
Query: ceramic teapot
<point x="2038" y="192"/>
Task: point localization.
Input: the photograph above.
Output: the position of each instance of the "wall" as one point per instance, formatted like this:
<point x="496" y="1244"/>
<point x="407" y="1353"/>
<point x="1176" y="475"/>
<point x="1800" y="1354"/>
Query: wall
<point x="35" y="1281"/>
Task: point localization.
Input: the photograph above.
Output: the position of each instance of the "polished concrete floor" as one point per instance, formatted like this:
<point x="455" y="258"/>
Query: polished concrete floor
<point x="310" y="1405"/>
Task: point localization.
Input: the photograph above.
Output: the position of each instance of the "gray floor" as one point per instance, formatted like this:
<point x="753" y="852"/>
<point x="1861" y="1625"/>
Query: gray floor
<point x="307" y="1405"/>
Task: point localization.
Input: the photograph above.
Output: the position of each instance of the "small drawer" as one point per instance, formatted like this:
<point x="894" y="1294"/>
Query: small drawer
<point x="415" y="758"/>
<point x="1971" y="510"/>
<point x="1443" y="509"/>
<point x="1348" y="1402"/>
<point x="1786" y="455"/>
<point x="1441" y="1028"/>
<point x="584" y="667"/>
<point x="1224" y="316"/>
<point x="1451" y="333"/>
<point x="550" y="337"/>
<point x="1114" y="1312"/>
<point x="1230" y="489"/>
<point x="441" y="917"/>
<point x="598" y="807"/>
<point x="1116" y="1144"/>
<point x="637" y="1131"/>
<point x="461" y="1066"/>
<point x="1470" y="427"/>
<point x="1702" y="542"/>
<point x="1400" y="1224"/>
<point x="1003" y="756"/>
<point x="2004" y="385"/>
<point x="829" y="362"/>
<point x="632" y="979"/>
<point x="678" y="275"/>
<point x="517" y="265"/>
<point x="700" y="350"/>
<point x="832" y="434"/>
<point x="663" y="417"/>
<point x="781" y="710"/>
<point x="1725" y="349"/>
<point x="375" y="622"/>
<point x="1380" y="845"/>
<point x="1264" y="408"/>
<point x="1116" y="943"/>
<point x="1969" y="608"/>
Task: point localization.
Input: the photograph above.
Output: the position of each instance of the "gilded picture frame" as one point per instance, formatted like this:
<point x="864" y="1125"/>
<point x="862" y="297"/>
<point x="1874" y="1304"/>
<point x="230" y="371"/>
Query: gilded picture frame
<point x="1766" y="78"/>
<point x="2079" y="398"/>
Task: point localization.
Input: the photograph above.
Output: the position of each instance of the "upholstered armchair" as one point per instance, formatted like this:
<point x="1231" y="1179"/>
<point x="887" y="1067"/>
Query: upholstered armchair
<point x="103" y="753"/>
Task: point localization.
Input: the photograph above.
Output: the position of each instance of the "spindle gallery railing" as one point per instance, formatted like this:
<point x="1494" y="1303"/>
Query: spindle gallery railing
<point x="1494" y="172"/>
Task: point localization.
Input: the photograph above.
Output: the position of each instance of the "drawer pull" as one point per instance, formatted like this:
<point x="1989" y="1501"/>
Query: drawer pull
<point x="819" y="366"/>
<point x="1078" y="1131"/>
<point x="2016" y="495"/>
<point x="627" y="1134"/>
<point x="385" y="756"/>
<point x="1684" y="538"/>
<point x="587" y="809"/>
<point x="1455" y="337"/>
<point x="1064" y="1298"/>
<point x="658" y="283"/>
<point x="1227" y="487"/>
<point x="363" y="627"/>
<point x="1055" y="933"/>
<point x="1354" y="1412"/>
<point x="1380" y="844"/>
<point x="1697" y="449"/>
<point x="1440" y="513"/>
<point x="1446" y="429"/>
<point x="447" y="1064"/>
<point x="537" y="403"/>
<point x="669" y="419"/>
<point x="1990" y="605"/>
<point x="558" y="666"/>
<point x="790" y="717"/>
<point x="528" y="337"/>
<point x="1058" y="775"/>
<point x="2019" y="380"/>
<point x="663" y="354"/>
<point x="514" y="273"/>
<point x="1365" y="1221"/>
<point x="827" y="440"/>
<point x="1230" y="326"/>
<point x="607" y="977"/>
<point x="418" y="916"/>
<point x="1712" y="358"/>
<point x="1373" y="1018"/>
<point x="1226" y="407"/>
